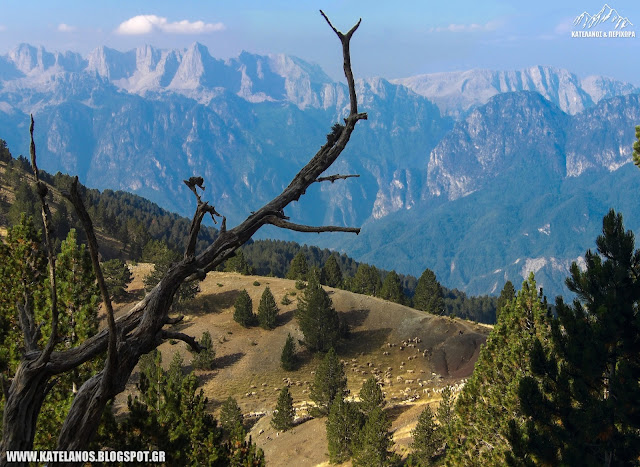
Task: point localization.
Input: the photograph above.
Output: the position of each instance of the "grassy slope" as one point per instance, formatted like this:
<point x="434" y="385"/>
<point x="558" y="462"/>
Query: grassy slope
<point x="248" y="360"/>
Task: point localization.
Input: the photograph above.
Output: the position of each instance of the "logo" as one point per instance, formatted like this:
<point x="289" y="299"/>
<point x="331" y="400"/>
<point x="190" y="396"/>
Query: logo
<point x="607" y="23"/>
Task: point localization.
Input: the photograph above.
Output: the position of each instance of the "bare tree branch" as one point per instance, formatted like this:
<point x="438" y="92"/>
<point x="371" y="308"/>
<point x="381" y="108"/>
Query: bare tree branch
<point x="182" y="337"/>
<point x="74" y="197"/>
<point x="279" y="222"/>
<point x="194" y="230"/>
<point x="175" y="320"/>
<point x="46" y="216"/>
<point x="333" y="178"/>
<point x="346" y="54"/>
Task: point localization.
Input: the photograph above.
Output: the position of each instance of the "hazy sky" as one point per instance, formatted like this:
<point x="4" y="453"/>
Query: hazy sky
<point x="393" y="41"/>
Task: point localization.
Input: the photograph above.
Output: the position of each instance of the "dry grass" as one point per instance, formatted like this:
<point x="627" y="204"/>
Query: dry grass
<point x="248" y="360"/>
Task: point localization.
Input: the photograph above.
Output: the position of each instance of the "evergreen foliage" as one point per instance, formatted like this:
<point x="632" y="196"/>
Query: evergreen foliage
<point x="392" y="289"/>
<point x="330" y="382"/>
<point x="288" y="359"/>
<point x="373" y="445"/>
<point x="231" y="420"/>
<point x="170" y="414"/>
<point x="299" y="268"/>
<point x="367" y="280"/>
<point x="243" y="313"/>
<point x="117" y="277"/>
<point x="343" y="426"/>
<point x="5" y="154"/>
<point x="318" y="320"/>
<point x="481" y="308"/>
<point x="25" y="282"/>
<point x="371" y="396"/>
<point x="427" y="438"/>
<point x="237" y="263"/>
<point x="507" y="294"/>
<point x="267" y="310"/>
<point x="331" y="273"/>
<point x="204" y="359"/>
<point x="428" y="296"/>
<point x="23" y="268"/>
<point x="445" y="413"/>
<point x="489" y="402"/>
<point x="284" y="414"/>
<point x="582" y="399"/>
<point x="636" y="148"/>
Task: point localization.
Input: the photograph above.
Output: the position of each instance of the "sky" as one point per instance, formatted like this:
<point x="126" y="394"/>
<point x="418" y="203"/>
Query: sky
<point x="393" y="41"/>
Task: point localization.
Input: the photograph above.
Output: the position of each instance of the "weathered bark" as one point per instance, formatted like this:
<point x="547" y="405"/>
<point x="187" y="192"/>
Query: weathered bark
<point x="141" y="330"/>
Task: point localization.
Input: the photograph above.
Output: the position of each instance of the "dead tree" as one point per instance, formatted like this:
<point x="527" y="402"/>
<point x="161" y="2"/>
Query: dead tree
<point x="145" y="326"/>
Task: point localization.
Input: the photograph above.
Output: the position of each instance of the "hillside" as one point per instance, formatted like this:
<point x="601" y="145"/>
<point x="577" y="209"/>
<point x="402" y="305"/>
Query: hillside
<point x="443" y="351"/>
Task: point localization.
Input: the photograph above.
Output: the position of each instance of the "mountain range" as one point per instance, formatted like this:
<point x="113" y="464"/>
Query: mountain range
<point x="479" y="175"/>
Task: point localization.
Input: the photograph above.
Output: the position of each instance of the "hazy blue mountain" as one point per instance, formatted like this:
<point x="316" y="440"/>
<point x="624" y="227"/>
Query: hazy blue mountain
<point x="457" y="93"/>
<point x="510" y="187"/>
<point x="517" y="186"/>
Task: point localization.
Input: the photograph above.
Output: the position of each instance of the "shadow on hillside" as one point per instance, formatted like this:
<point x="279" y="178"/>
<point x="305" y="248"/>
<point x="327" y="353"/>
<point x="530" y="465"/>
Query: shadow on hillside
<point x="212" y="303"/>
<point x="205" y="376"/>
<point x="228" y="360"/>
<point x="355" y="318"/>
<point x="394" y="412"/>
<point x="366" y="341"/>
<point x="284" y="318"/>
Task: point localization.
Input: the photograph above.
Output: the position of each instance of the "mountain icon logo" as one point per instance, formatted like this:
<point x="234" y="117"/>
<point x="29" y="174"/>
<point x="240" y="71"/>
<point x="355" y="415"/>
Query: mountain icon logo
<point x="606" y="15"/>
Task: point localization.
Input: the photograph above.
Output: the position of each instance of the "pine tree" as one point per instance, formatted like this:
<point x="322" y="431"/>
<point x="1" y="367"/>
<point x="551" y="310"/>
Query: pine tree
<point x="370" y="396"/>
<point x="582" y="401"/>
<point x="169" y="413"/>
<point x="204" y="359"/>
<point x="5" y="154"/>
<point x="243" y="313"/>
<point x="343" y="425"/>
<point x="446" y="414"/>
<point x="427" y="437"/>
<point x="238" y="263"/>
<point x="284" y="414"/>
<point x="489" y="402"/>
<point x="23" y="269"/>
<point x="231" y="419"/>
<point x="392" y="289"/>
<point x="117" y="277"/>
<point x="318" y="320"/>
<point x="78" y="293"/>
<point x="374" y="442"/>
<point x="329" y="383"/>
<point x="367" y="280"/>
<point x="267" y="310"/>
<point x="299" y="269"/>
<point x="288" y="360"/>
<point x="507" y="294"/>
<point x="25" y="283"/>
<point x="428" y="295"/>
<point x="331" y="273"/>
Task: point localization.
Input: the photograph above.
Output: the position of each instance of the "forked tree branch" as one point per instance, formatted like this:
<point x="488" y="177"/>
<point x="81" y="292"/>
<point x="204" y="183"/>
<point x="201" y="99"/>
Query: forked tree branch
<point x="346" y="54"/>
